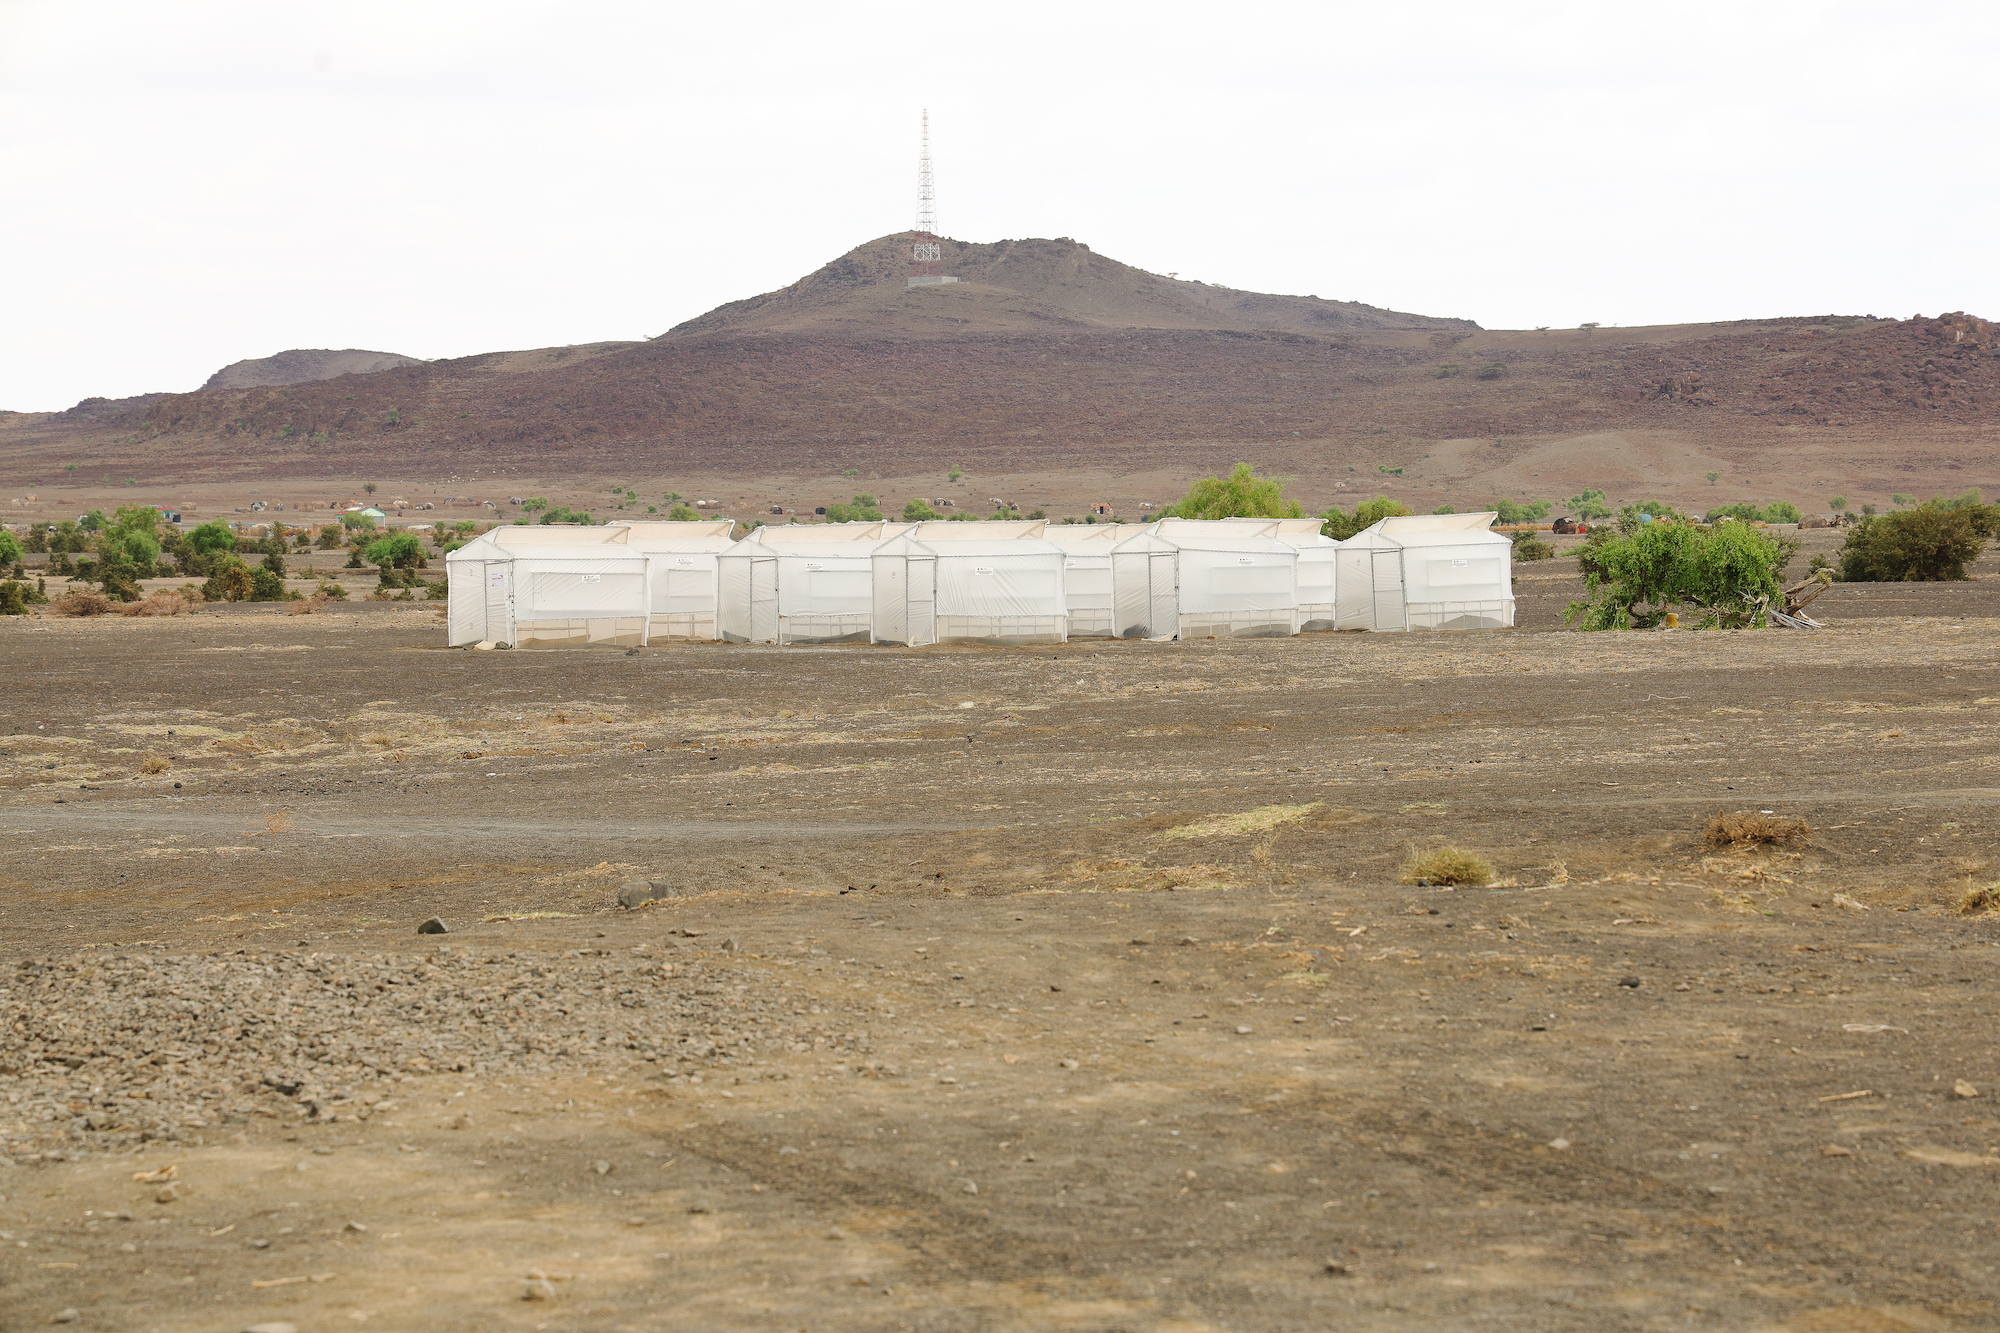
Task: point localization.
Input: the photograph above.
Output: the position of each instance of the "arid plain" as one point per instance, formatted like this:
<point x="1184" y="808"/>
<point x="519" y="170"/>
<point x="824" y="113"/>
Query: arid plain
<point x="1063" y="988"/>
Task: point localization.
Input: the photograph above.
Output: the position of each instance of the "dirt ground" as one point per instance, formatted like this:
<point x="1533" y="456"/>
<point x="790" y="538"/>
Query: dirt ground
<point x="1062" y="988"/>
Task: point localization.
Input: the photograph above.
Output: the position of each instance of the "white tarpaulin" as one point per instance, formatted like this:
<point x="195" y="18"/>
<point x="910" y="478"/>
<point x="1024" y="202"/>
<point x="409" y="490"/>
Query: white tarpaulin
<point x="1426" y="571"/>
<point x="1087" y="586"/>
<point x="1233" y="583"/>
<point x="997" y="582"/>
<point x="819" y="587"/>
<point x="557" y="585"/>
<point x="683" y="587"/>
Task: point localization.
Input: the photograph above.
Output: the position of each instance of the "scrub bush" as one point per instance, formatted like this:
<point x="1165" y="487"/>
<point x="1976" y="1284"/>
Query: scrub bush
<point x="1726" y="573"/>
<point x="1447" y="865"/>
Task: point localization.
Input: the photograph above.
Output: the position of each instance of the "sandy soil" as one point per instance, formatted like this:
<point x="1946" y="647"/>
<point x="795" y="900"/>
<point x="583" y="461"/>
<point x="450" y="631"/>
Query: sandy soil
<point x="1070" y="988"/>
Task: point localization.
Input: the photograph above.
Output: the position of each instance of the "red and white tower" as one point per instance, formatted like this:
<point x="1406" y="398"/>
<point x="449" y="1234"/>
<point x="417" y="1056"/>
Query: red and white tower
<point x="927" y="254"/>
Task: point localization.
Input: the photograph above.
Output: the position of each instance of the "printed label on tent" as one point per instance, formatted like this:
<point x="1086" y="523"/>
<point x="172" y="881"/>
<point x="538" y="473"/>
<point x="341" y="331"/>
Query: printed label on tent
<point x="1245" y="560"/>
<point x="593" y="578"/>
<point x="982" y="569"/>
<point x="499" y="578"/>
<point x="685" y="563"/>
<point x="814" y="565"/>
<point x="1458" y="564"/>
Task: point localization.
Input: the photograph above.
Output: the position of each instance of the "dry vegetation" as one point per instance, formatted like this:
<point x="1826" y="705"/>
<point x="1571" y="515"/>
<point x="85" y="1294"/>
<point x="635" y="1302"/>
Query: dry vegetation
<point x="1753" y="828"/>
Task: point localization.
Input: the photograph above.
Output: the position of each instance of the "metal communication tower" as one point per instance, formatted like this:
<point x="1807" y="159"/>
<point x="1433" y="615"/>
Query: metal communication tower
<point x="927" y="254"/>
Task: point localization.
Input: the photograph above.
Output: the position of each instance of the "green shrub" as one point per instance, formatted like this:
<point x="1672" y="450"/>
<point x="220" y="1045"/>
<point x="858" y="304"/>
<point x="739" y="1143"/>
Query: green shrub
<point x="1340" y="526"/>
<point x="266" y="586"/>
<point x="231" y="581"/>
<point x="1242" y="494"/>
<point x="13" y="598"/>
<point x="1589" y="505"/>
<point x="1782" y="511"/>
<point x="680" y="513"/>
<point x="916" y="511"/>
<point x="1519" y="511"/>
<point x="1928" y="544"/>
<point x="1492" y="371"/>
<point x="1449" y="370"/>
<point x="1529" y="546"/>
<point x="1725" y="573"/>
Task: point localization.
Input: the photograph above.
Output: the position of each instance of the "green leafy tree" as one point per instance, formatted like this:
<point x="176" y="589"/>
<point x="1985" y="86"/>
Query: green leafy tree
<point x="1782" y="511"/>
<point x="274" y="564"/>
<point x="1726" y="574"/>
<point x="680" y="513"/>
<point x="1713" y="477"/>
<point x="1837" y="503"/>
<point x="1340" y="526"/>
<point x="1242" y="494"/>
<point x="863" y="510"/>
<point x="916" y="511"/>
<point x="369" y="486"/>
<point x="94" y="521"/>
<point x="1528" y="545"/>
<point x="1629" y="519"/>
<point x="1589" y="505"/>
<point x="535" y="503"/>
<point x="266" y="586"/>
<point x="13" y="598"/>
<point x="230" y="582"/>
<point x="357" y="522"/>
<point x="331" y="537"/>
<point x="398" y="550"/>
<point x="1444" y="509"/>
<point x="1903" y="499"/>
<point x="1519" y="511"/>
<point x="38" y="536"/>
<point x="1748" y="513"/>
<point x="10" y="548"/>
<point x="1931" y="543"/>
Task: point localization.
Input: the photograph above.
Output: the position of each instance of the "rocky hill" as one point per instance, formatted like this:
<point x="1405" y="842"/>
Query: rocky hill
<point x="1027" y="286"/>
<point x="302" y="365"/>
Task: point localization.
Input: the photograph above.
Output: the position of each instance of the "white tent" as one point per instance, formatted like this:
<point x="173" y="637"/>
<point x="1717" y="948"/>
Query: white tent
<point x="683" y="582"/>
<point x="1316" y="569"/>
<point x="561" y="586"/>
<point x="1426" y="571"/>
<point x="989" y="582"/>
<point x="1233" y="583"/>
<point x="1087" y="588"/>
<point x="530" y="589"/>
<point x="800" y="583"/>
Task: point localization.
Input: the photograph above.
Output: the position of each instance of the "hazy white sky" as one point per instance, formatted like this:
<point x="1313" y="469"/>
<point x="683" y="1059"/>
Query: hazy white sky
<point x="191" y="183"/>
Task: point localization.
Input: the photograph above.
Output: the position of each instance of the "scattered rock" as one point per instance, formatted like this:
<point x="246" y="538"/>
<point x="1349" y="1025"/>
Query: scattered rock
<point x="969" y="1186"/>
<point x="637" y="893"/>
<point x="1068" y="1064"/>
<point x="1960" y="1088"/>
<point x="65" y="1317"/>
<point x="1560" y="1145"/>
<point x="357" y="1226"/>
<point x="1334" y="1268"/>
<point x="434" y="926"/>
<point x="601" y="1167"/>
<point x="272" y="1328"/>
<point x="1244" y="1029"/>
<point x="538" y="1289"/>
<point x="835" y="1233"/>
<point x="1835" y="1150"/>
<point x="168" y="1194"/>
<point x="729" y="945"/>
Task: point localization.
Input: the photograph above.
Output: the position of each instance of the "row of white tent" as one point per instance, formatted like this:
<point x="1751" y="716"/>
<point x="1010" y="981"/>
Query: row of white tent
<point x="1019" y="581"/>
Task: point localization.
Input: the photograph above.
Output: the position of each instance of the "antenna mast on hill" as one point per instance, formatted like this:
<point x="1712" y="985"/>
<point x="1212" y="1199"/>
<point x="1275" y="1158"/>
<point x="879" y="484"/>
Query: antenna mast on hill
<point x="927" y="254"/>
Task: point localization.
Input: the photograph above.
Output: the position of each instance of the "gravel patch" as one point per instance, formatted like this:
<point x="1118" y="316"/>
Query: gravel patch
<point x="102" y="1052"/>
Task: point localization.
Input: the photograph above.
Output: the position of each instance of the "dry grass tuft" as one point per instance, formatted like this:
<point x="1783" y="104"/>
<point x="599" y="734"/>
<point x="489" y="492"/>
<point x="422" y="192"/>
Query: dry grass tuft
<point x="1748" y="828"/>
<point x="279" y="821"/>
<point x="1261" y="820"/>
<point x="1978" y="902"/>
<point x="82" y="602"/>
<point x="1447" y="865"/>
<point x="154" y="763"/>
<point x="161" y="602"/>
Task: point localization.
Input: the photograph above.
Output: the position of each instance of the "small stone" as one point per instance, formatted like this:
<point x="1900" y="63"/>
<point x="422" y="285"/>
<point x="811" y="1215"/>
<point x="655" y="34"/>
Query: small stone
<point x="1960" y="1088"/>
<point x="1335" y="1268"/>
<point x="272" y="1328"/>
<point x="434" y="926"/>
<point x="463" y="1120"/>
<point x="1835" y="1150"/>
<point x="1243" y="1030"/>
<point x="1560" y="1145"/>
<point x="637" y="893"/>
<point x="1068" y="1064"/>
<point x="970" y="1187"/>
<point x="357" y="1226"/>
<point x="170" y="1194"/>
<point x="260" y="1244"/>
<point x="835" y="1233"/>
<point x="128" y="1248"/>
<point x="601" y="1167"/>
<point x="538" y="1289"/>
<point x="729" y="945"/>
<point x="1187" y="939"/>
<point x="69" y="1316"/>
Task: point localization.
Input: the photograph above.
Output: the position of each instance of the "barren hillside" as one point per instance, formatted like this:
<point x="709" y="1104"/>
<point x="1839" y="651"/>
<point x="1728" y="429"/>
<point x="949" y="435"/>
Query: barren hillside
<point x="303" y="364"/>
<point x="1079" y="367"/>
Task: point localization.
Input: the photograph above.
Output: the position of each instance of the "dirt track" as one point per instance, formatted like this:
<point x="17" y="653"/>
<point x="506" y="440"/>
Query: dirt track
<point x="1032" y="1032"/>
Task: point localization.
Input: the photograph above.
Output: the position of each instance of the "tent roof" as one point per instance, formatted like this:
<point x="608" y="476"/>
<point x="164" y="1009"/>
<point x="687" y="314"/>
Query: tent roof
<point x="1217" y="535"/>
<point x="1401" y="524"/>
<point x="511" y="536"/>
<point x="932" y="530"/>
<point x="700" y="536"/>
<point x="817" y="533"/>
<point x="1106" y="535"/>
<point x="965" y="548"/>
